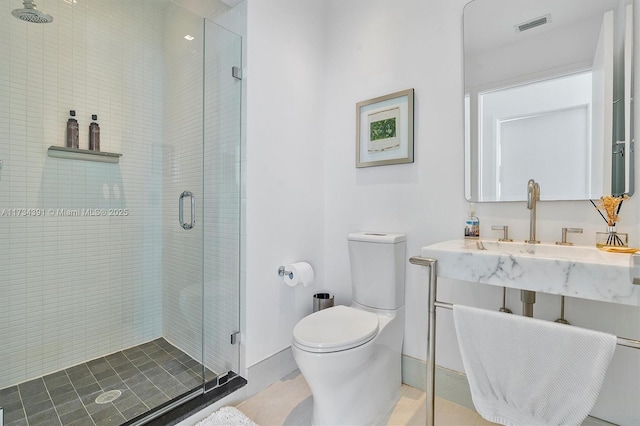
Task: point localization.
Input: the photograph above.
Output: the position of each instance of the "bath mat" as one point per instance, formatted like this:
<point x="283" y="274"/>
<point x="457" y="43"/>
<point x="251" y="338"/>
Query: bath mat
<point x="227" y="416"/>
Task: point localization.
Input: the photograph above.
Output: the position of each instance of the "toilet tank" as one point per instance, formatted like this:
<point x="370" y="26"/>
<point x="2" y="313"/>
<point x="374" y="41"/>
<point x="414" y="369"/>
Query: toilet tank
<point x="377" y="269"/>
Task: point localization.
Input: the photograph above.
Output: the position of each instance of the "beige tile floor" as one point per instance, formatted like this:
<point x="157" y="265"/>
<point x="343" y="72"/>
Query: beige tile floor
<point x="288" y="402"/>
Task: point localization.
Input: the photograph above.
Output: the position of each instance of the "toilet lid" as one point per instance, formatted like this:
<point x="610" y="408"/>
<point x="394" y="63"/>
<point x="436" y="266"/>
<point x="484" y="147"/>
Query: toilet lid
<point x="335" y="329"/>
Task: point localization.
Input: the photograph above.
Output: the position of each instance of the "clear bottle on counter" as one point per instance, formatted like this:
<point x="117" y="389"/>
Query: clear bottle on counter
<point x="472" y="224"/>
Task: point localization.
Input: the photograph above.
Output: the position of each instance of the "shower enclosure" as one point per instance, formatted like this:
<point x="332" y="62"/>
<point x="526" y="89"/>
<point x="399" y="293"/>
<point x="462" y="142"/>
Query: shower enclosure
<point x="119" y="296"/>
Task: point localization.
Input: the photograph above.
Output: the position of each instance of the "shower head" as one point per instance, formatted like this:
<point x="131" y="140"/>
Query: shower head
<point x="30" y="14"/>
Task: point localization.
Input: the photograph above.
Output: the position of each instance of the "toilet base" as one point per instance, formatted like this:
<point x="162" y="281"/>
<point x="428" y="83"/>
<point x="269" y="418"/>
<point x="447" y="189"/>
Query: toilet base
<point x="352" y="394"/>
<point x="357" y="386"/>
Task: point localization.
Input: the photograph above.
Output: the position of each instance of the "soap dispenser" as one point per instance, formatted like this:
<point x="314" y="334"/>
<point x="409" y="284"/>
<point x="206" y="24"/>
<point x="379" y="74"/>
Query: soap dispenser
<point x="94" y="134"/>
<point x="472" y="225"/>
<point x="72" y="131"/>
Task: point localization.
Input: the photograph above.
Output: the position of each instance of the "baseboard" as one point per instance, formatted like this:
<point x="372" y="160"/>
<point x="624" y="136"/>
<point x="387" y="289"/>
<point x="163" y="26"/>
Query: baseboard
<point x="450" y="385"/>
<point x="270" y="370"/>
<point x="414" y="372"/>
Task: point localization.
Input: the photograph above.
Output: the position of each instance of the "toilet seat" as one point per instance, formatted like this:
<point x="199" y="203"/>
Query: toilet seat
<point x="335" y="329"/>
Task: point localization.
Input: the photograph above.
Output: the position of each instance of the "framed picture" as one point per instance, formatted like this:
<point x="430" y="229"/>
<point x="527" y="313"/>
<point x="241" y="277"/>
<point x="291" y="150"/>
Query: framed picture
<point x="384" y="130"/>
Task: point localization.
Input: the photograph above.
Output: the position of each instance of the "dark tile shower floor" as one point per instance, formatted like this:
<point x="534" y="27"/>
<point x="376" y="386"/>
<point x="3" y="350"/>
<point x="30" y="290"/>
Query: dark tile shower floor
<point x="146" y="375"/>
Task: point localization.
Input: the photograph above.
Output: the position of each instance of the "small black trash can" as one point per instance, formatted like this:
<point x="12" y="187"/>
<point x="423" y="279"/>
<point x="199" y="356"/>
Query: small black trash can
<point x="322" y="301"/>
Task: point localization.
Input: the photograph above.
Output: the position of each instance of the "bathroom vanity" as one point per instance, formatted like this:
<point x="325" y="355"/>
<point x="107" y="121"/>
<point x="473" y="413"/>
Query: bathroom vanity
<point x="577" y="271"/>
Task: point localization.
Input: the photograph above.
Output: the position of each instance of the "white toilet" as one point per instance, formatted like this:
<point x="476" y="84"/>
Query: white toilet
<point x="350" y="355"/>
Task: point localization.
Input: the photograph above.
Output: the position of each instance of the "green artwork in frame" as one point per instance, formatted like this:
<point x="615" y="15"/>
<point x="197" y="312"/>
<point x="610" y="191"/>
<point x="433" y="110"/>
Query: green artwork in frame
<point x="384" y="130"/>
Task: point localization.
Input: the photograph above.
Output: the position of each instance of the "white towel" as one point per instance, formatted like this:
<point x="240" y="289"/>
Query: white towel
<point x="526" y="371"/>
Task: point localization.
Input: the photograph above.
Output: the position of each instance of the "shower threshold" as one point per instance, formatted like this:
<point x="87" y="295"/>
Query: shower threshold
<point x="110" y="390"/>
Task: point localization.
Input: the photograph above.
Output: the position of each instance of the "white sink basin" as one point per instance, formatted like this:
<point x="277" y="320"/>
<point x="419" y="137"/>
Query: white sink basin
<point x="543" y="250"/>
<point x="576" y="271"/>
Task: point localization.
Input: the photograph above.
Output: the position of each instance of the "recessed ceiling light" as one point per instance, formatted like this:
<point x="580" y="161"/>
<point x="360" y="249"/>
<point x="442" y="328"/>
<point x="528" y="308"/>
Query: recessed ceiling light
<point x="189" y="37"/>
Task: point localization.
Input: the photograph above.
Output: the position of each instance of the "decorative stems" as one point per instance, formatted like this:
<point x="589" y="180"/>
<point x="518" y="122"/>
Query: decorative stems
<point x="614" y="240"/>
<point x="611" y="206"/>
<point x="598" y="210"/>
<point x="608" y="208"/>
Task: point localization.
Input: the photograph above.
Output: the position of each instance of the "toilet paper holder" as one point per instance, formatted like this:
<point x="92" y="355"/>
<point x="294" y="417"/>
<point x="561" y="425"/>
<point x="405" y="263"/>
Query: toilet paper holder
<point x="282" y="272"/>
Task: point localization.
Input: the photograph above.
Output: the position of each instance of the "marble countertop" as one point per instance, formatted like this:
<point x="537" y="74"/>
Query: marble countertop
<point x="575" y="271"/>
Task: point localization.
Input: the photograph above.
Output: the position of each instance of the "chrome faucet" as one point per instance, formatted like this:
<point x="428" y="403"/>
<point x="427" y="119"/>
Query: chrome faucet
<point x="533" y="196"/>
<point x="528" y="297"/>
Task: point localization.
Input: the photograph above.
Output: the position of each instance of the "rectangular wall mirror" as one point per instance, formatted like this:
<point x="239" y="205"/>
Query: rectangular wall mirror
<point x="548" y="96"/>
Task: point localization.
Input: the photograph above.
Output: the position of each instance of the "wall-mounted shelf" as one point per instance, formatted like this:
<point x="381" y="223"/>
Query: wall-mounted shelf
<point x="83" y="154"/>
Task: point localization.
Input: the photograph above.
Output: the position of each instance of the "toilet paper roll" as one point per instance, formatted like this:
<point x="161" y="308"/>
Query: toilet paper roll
<point x="301" y="273"/>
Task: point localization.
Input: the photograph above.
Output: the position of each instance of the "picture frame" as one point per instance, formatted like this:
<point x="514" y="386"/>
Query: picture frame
<point x="384" y="130"/>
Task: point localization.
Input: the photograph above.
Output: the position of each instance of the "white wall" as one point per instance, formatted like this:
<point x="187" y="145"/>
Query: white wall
<point x="367" y="49"/>
<point x="373" y="50"/>
<point x="285" y="136"/>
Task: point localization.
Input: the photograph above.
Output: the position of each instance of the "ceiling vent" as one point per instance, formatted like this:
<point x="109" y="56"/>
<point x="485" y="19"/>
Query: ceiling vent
<point x="532" y="23"/>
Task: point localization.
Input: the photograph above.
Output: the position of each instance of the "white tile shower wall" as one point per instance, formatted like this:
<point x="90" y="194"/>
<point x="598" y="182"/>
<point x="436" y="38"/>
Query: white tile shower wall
<point x="78" y="287"/>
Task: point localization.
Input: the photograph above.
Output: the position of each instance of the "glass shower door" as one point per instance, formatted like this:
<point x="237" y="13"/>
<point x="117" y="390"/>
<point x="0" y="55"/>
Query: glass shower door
<point x="201" y="193"/>
<point x="221" y="186"/>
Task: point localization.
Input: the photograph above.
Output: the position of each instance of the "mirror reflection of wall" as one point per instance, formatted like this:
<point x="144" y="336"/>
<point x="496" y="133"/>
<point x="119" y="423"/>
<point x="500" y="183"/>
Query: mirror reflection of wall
<point x="541" y="80"/>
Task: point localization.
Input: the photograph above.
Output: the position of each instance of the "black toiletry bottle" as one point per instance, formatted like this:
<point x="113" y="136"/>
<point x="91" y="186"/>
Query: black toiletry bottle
<point x="72" y="131"/>
<point x="94" y="134"/>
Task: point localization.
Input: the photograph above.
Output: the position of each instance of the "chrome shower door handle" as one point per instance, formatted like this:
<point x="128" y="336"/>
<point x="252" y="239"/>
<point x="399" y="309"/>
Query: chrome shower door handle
<point x="184" y="195"/>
